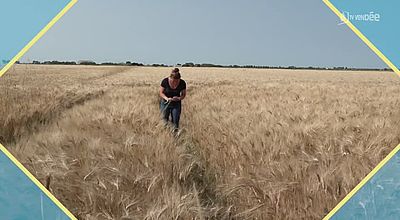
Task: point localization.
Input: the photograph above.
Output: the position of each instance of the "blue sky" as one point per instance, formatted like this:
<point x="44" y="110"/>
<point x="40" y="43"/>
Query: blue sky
<point x="259" y="32"/>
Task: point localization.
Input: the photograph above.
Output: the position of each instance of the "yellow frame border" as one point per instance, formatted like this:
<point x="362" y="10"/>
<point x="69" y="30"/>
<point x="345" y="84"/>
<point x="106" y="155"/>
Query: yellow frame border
<point x="2" y="72"/>
<point x="393" y="152"/>
<point x="38" y="36"/>
<point x="362" y="36"/>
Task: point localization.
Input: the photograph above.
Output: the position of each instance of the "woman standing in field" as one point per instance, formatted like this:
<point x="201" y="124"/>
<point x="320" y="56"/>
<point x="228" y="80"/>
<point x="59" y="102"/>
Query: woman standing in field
<point x="172" y="92"/>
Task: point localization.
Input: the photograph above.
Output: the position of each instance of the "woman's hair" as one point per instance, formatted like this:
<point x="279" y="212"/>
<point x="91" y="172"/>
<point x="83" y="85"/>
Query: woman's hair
<point x="175" y="74"/>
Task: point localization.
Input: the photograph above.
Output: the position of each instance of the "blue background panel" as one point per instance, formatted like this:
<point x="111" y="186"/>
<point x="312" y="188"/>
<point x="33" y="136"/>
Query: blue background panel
<point x="378" y="198"/>
<point x="21" y="21"/>
<point x="384" y="34"/>
<point x="21" y="199"/>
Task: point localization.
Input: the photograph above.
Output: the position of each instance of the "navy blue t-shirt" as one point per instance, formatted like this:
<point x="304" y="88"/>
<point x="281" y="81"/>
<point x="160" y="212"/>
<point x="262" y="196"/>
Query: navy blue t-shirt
<point x="170" y="92"/>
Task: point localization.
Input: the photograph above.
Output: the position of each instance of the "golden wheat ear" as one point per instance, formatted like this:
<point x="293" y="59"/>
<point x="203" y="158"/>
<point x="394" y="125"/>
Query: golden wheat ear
<point x="48" y="181"/>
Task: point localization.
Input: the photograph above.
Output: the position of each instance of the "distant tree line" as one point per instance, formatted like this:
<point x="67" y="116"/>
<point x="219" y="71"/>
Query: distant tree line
<point x="54" y="62"/>
<point x="85" y="62"/>
<point x="191" y="64"/>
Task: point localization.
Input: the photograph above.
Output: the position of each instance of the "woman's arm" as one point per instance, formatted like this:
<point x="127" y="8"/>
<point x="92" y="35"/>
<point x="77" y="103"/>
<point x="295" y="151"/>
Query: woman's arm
<point x="183" y="94"/>
<point x="162" y="95"/>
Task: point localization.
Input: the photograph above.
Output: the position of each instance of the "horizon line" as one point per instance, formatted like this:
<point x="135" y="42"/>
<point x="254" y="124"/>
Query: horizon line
<point x="193" y="64"/>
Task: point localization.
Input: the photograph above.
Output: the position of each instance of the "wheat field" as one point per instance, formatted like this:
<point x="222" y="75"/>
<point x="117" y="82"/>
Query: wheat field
<point x="255" y="144"/>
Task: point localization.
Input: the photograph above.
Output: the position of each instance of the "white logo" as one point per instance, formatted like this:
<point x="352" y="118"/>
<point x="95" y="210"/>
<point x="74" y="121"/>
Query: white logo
<point x="347" y="17"/>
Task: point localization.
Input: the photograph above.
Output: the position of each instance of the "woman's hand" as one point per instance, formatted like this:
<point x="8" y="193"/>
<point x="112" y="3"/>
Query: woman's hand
<point x="176" y="98"/>
<point x="168" y="99"/>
